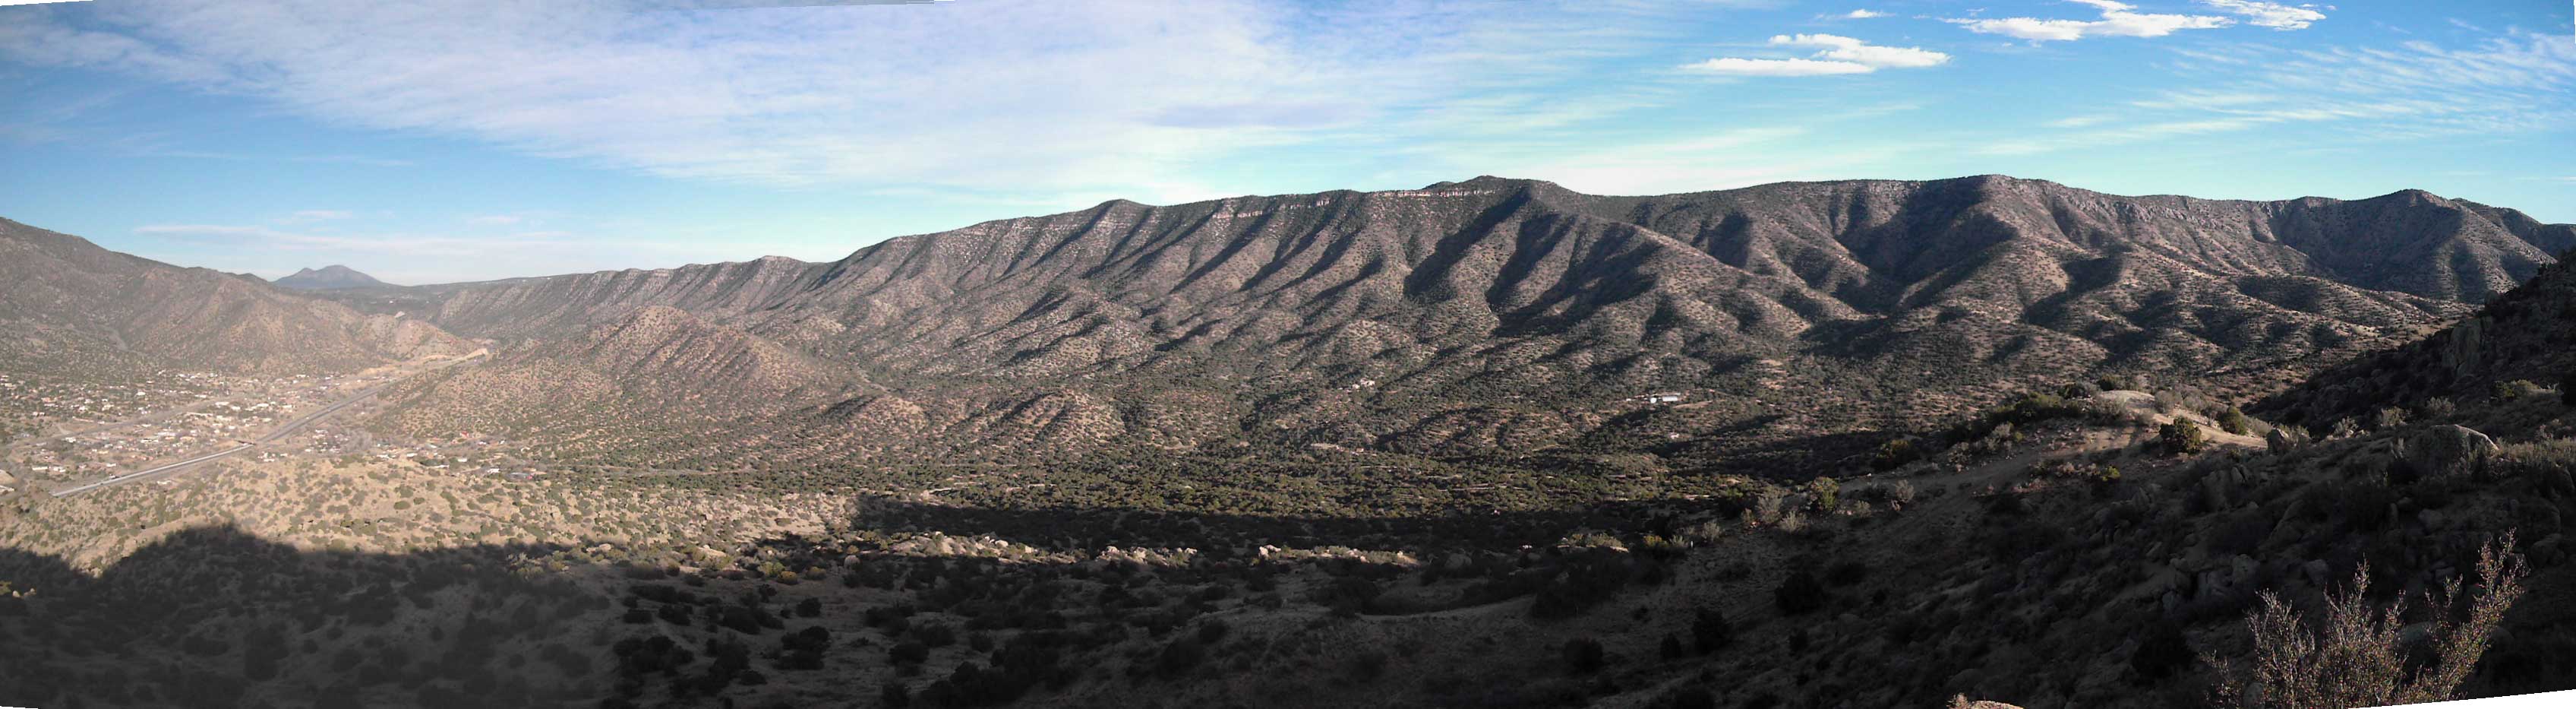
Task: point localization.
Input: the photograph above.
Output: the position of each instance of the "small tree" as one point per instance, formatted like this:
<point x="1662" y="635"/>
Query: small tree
<point x="2234" y="420"/>
<point x="2181" y="437"/>
<point x="2355" y="656"/>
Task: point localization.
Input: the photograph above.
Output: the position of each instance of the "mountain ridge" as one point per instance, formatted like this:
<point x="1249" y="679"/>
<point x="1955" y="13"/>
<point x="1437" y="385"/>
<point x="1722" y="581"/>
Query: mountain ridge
<point x="69" y="297"/>
<point x="1497" y="309"/>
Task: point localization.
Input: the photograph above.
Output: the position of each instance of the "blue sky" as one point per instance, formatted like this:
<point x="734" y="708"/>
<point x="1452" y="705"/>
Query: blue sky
<point x="470" y="139"/>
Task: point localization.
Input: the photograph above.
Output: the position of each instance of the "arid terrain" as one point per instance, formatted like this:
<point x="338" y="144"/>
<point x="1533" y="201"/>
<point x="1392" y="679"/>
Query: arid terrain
<point x="1486" y="443"/>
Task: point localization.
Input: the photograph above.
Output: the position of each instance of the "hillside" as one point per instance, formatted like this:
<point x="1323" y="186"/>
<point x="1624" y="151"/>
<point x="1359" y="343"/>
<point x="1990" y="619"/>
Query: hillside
<point x="328" y="278"/>
<point x="1513" y="315"/>
<point x="2056" y="552"/>
<point x="65" y="298"/>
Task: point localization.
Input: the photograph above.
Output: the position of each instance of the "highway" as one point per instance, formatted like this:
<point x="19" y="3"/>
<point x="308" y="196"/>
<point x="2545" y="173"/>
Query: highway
<point x="283" y="430"/>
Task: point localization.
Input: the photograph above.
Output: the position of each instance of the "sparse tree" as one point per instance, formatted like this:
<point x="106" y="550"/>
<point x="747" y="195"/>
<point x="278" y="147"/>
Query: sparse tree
<point x="2181" y="437"/>
<point x="2356" y="657"/>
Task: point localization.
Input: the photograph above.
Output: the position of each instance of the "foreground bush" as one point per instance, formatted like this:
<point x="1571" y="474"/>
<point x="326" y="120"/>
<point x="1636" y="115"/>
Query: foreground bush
<point x="2355" y="656"/>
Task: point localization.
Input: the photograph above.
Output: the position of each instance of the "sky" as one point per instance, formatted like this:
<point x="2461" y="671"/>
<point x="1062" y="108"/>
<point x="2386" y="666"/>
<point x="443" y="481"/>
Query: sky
<point x="453" y="140"/>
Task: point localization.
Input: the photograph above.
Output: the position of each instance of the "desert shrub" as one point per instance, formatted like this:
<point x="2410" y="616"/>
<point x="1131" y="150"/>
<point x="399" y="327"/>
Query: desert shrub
<point x="908" y="653"/>
<point x="1896" y="453"/>
<point x="2234" y="420"/>
<point x="1799" y="594"/>
<point x="2515" y="390"/>
<point x="2389" y="419"/>
<point x="2078" y="390"/>
<point x="1827" y="493"/>
<point x="1584" y="656"/>
<point x="1179" y="657"/>
<point x="1710" y="631"/>
<point x="1845" y="572"/>
<point x="2357" y="655"/>
<point x="2072" y="469"/>
<point x="1689" y="698"/>
<point x="2181" y="437"/>
<point x="2120" y="382"/>
<point x="2439" y="407"/>
<point x="1892" y="492"/>
<point x="2161" y="653"/>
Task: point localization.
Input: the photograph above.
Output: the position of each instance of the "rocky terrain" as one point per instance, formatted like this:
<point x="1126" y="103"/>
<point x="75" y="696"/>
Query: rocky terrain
<point x="1489" y="443"/>
<point x="2091" y="545"/>
<point x="1808" y="321"/>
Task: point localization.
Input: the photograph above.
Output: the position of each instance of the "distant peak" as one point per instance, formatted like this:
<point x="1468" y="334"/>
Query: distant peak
<point x="327" y="278"/>
<point x="2414" y="196"/>
<point x="1488" y="181"/>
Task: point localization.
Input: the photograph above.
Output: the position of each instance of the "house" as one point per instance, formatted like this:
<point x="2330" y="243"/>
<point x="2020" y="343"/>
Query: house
<point x="1661" y="397"/>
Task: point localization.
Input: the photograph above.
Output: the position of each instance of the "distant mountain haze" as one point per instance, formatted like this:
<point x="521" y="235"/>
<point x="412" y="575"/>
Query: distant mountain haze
<point x="62" y="296"/>
<point x="328" y="278"/>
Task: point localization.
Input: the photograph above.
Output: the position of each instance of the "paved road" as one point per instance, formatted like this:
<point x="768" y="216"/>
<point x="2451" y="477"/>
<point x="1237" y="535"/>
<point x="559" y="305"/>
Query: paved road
<point x="287" y="429"/>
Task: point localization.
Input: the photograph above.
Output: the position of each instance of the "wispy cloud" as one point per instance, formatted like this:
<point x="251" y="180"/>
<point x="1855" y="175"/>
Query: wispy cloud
<point x="1863" y="14"/>
<point x="1837" y="55"/>
<point x="1120" y="97"/>
<point x="2117" y="19"/>
<point x="2514" y="83"/>
<point x="2269" y="14"/>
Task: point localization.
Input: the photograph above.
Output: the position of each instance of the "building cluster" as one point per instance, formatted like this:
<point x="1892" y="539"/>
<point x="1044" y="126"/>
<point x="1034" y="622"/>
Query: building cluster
<point x="86" y="430"/>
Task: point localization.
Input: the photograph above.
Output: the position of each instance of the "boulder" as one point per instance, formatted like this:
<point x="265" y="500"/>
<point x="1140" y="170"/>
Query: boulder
<point x="2448" y="450"/>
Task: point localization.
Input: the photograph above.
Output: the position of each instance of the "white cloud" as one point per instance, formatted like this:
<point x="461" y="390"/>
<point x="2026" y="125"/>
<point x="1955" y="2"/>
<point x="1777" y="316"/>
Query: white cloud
<point x="1837" y="55"/>
<point x="1840" y="48"/>
<point x="2117" y="20"/>
<point x="1863" y="14"/>
<point x="1118" y="97"/>
<point x="2267" y="14"/>
<point x="494" y="220"/>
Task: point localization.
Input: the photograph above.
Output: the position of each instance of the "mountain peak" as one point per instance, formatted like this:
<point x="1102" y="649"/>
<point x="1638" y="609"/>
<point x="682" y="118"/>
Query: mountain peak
<point x="332" y="277"/>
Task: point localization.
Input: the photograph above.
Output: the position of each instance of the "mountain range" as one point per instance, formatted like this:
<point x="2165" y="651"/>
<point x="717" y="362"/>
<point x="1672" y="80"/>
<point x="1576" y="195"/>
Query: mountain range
<point x="1801" y="322"/>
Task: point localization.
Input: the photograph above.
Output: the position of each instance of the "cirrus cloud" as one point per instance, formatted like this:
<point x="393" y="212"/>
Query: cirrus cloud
<point x="2268" y="14"/>
<point x="1836" y="55"/>
<point x="2118" y="20"/>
